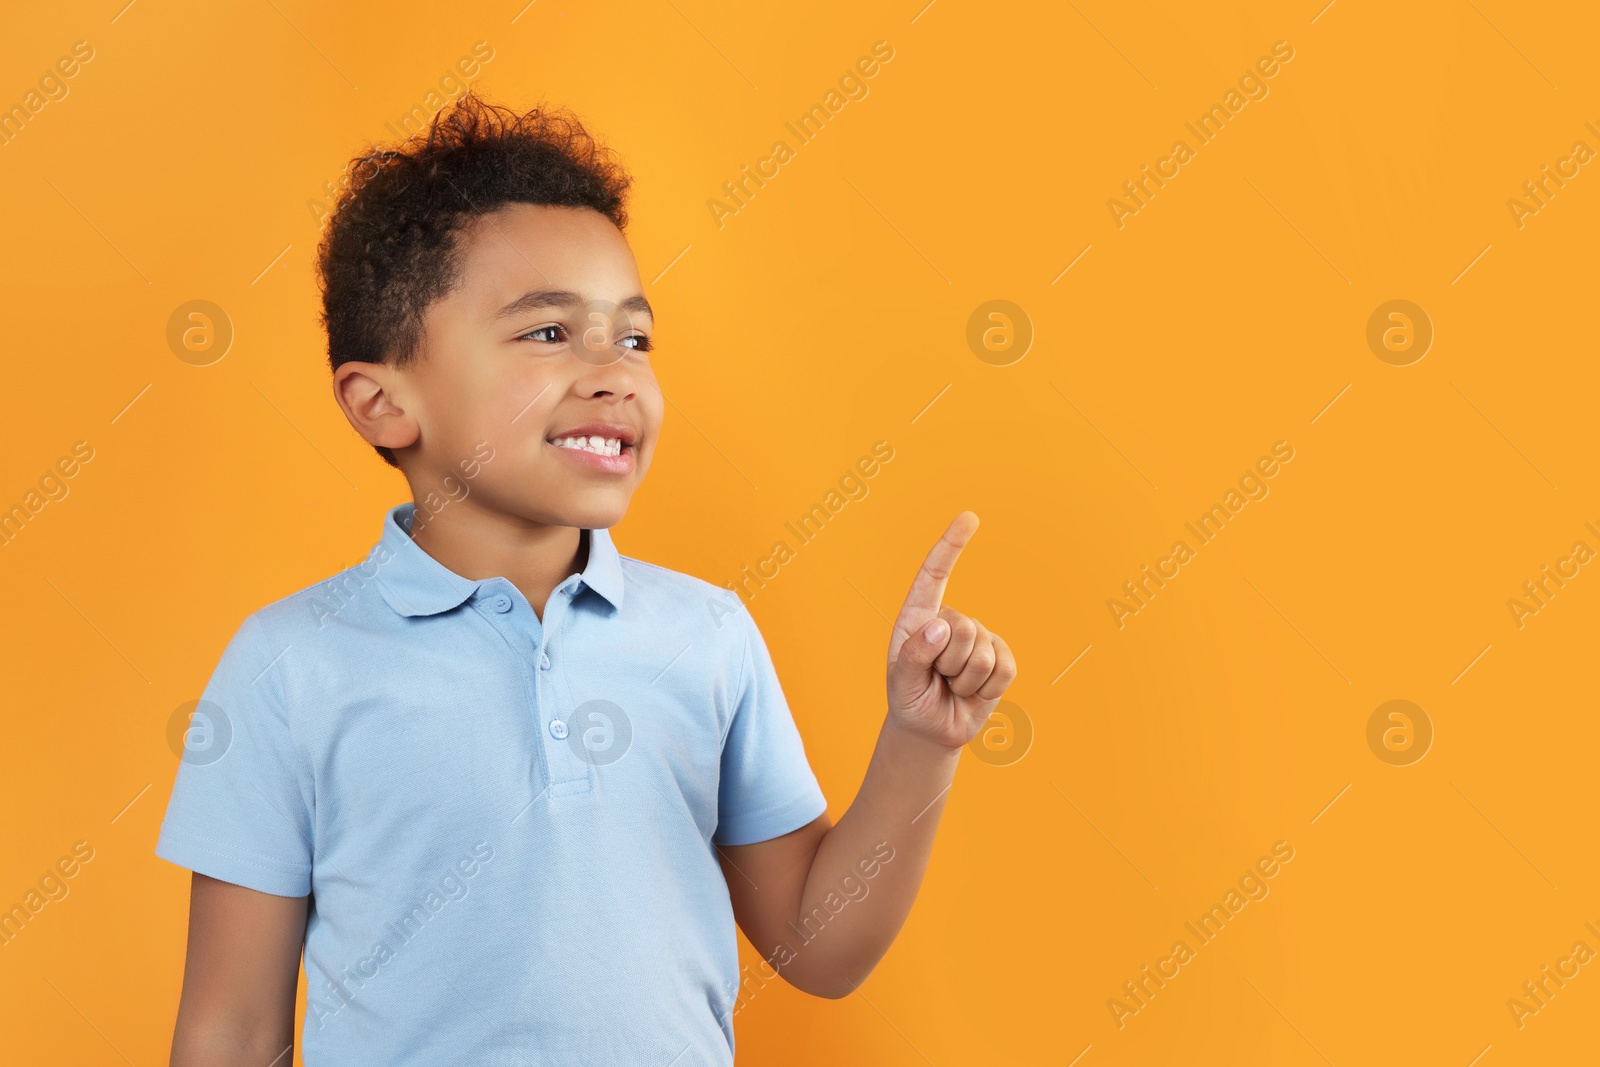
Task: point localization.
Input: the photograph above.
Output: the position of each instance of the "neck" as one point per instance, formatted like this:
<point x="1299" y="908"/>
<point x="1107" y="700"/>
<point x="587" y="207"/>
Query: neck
<point x="477" y="544"/>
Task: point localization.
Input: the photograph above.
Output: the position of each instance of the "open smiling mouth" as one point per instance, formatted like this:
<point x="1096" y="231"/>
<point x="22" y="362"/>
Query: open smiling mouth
<point x="602" y="447"/>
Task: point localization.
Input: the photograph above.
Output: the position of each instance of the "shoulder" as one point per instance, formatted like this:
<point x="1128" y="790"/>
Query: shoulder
<point x="693" y="605"/>
<point x="347" y="601"/>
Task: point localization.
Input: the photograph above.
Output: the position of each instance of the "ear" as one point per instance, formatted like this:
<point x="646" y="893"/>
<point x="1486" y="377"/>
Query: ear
<point x="367" y="394"/>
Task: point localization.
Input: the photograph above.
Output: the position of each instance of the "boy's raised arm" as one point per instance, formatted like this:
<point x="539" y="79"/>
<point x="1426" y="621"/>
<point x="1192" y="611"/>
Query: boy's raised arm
<point x="239" y="978"/>
<point x="823" y="904"/>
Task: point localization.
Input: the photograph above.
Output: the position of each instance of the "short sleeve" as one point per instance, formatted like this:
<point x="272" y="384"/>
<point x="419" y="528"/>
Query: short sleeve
<point x="239" y="808"/>
<point x="768" y="788"/>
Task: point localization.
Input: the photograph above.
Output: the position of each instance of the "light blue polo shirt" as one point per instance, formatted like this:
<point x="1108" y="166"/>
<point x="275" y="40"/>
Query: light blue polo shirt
<point x="506" y="826"/>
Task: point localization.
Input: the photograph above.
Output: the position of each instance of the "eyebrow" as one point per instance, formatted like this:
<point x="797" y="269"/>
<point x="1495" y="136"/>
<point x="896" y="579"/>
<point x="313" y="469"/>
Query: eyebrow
<point x="564" y="298"/>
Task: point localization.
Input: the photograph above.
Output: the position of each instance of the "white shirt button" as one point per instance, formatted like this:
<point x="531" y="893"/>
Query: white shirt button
<point x="501" y="603"/>
<point x="558" y="729"/>
<point x="544" y="661"/>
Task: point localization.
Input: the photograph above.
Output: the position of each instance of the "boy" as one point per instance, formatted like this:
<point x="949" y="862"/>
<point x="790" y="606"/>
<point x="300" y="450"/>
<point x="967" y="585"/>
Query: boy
<point x="508" y="789"/>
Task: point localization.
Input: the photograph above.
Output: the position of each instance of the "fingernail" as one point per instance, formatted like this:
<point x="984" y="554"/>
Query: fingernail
<point x="935" y="631"/>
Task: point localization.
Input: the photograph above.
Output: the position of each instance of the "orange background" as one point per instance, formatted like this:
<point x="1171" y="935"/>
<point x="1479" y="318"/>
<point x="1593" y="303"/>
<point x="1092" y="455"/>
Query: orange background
<point x="1228" y="314"/>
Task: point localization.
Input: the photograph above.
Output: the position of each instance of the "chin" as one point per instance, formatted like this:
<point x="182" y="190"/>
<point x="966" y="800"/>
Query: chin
<point x="593" y="516"/>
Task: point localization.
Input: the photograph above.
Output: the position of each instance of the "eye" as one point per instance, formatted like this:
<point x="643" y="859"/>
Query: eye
<point x="644" y="345"/>
<point x="545" y="329"/>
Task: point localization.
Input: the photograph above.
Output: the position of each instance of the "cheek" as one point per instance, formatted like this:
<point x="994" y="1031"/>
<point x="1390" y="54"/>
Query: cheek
<point x="652" y="406"/>
<point x="520" y="405"/>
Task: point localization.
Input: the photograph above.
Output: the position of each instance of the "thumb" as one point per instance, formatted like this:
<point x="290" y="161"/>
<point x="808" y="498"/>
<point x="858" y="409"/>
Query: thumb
<point x="923" y="647"/>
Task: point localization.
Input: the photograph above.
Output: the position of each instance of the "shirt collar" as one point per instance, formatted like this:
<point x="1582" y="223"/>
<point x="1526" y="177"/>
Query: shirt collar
<point x="414" y="583"/>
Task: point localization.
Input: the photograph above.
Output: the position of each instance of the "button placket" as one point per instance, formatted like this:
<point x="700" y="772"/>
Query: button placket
<point x="550" y="777"/>
<point x="568" y="773"/>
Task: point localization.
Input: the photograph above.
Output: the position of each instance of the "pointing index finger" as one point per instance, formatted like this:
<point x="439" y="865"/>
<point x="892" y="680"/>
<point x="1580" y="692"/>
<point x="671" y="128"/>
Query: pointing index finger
<point x="927" y="588"/>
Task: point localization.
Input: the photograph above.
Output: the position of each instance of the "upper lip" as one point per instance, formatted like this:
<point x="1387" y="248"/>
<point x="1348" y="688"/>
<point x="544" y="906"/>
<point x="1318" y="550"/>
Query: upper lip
<point x="626" y="434"/>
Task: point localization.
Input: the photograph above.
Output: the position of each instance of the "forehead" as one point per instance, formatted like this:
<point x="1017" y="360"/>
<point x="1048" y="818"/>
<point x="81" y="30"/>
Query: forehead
<point x="521" y="247"/>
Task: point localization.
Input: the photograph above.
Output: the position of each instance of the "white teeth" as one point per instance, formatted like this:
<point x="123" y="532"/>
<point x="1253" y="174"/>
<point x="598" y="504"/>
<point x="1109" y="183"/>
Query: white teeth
<point x="604" y="446"/>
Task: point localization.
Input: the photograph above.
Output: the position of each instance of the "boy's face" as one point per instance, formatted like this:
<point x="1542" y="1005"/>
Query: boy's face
<point x="544" y="335"/>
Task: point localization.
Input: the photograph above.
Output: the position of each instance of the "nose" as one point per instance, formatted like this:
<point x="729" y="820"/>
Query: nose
<point x="607" y="373"/>
<point x="607" y="366"/>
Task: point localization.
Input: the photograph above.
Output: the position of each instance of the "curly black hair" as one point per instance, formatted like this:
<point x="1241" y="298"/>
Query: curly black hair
<point x="389" y="248"/>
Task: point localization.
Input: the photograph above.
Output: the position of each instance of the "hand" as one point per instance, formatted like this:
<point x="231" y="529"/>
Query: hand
<point x="943" y="686"/>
